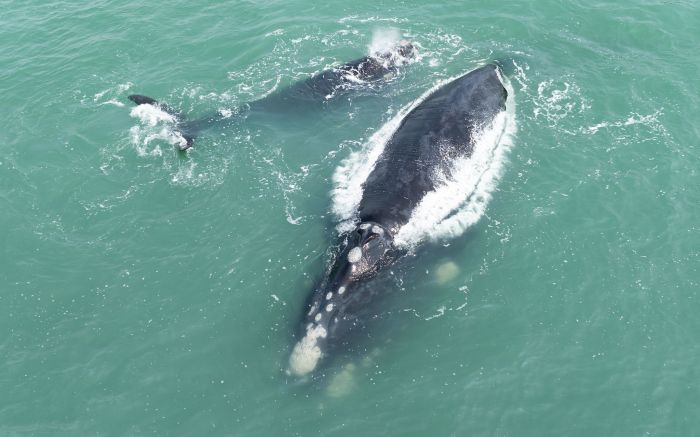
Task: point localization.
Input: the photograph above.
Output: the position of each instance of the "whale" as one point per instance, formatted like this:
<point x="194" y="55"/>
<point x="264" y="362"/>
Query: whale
<point x="436" y="133"/>
<point x="316" y="90"/>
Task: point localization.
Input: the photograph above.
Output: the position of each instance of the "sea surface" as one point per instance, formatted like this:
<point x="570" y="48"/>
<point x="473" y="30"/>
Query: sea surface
<point x="146" y="291"/>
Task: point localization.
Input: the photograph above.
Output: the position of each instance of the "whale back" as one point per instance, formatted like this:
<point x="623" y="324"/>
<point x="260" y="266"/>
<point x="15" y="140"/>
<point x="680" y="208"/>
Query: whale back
<point x="440" y="129"/>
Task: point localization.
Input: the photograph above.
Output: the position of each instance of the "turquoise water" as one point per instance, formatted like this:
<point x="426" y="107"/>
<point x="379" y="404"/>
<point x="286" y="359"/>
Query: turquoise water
<point x="145" y="291"/>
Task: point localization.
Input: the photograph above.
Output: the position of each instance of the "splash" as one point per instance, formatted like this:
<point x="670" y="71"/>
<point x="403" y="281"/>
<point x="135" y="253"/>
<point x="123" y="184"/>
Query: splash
<point x="384" y="40"/>
<point x="388" y="48"/>
<point x="156" y="124"/>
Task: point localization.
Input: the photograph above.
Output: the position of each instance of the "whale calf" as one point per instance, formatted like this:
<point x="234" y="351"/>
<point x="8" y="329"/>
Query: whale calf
<point x="319" y="88"/>
<point x="414" y="162"/>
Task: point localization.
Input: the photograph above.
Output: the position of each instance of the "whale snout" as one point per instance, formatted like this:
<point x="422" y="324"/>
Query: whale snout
<point x="323" y="322"/>
<point x="332" y="311"/>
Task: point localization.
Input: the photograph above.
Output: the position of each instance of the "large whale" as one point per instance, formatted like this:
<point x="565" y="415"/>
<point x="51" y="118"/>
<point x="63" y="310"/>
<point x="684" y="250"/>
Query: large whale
<point x="320" y="88"/>
<point x="441" y="129"/>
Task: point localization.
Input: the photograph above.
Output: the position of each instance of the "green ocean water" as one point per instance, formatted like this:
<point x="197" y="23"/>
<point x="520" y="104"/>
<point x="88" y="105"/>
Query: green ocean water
<point x="148" y="292"/>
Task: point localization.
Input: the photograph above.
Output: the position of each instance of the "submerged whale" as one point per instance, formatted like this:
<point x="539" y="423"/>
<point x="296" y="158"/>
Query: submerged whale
<point x="429" y="139"/>
<point x="319" y="88"/>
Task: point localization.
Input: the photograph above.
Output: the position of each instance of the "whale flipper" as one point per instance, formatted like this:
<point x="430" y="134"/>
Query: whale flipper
<point x="187" y="134"/>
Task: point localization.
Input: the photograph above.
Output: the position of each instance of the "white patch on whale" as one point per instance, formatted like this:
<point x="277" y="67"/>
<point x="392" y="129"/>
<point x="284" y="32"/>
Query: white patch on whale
<point x="355" y="255"/>
<point x="307" y="353"/>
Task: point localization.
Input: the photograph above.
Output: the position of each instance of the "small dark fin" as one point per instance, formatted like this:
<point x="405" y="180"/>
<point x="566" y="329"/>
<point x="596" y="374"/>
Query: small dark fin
<point x="189" y="140"/>
<point x="143" y="100"/>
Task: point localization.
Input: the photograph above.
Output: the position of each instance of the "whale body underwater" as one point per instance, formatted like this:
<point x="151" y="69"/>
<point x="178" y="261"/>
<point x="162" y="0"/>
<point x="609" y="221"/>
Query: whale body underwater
<point x="300" y="96"/>
<point x="419" y="154"/>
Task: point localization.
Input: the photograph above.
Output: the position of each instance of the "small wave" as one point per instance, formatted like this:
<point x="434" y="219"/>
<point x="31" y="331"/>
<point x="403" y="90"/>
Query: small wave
<point x="112" y="92"/>
<point x="113" y="102"/>
<point x="108" y="96"/>
<point x="460" y="199"/>
<point x="649" y="120"/>
<point x="374" y="19"/>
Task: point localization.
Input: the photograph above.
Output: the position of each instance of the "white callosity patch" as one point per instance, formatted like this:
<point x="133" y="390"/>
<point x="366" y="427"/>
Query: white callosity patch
<point x="307" y="352"/>
<point x="355" y="255"/>
<point x="341" y="290"/>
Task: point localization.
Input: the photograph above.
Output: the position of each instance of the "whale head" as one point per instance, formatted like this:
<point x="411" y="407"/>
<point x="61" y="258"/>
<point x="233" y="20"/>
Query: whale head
<point x="331" y="312"/>
<point x="402" y="53"/>
<point x="406" y="49"/>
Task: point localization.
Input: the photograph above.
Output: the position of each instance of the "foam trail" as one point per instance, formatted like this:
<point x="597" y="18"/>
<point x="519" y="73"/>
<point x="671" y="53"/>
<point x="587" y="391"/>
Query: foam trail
<point x="459" y="200"/>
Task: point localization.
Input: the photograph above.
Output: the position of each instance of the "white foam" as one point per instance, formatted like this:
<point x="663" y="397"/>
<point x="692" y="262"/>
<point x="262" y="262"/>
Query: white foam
<point x="460" y="198"/>
<point x="151" y="115"/>
<point x="156" y="124"/>
<point x="307" y="353"/>
<point x="631" y="120"/>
